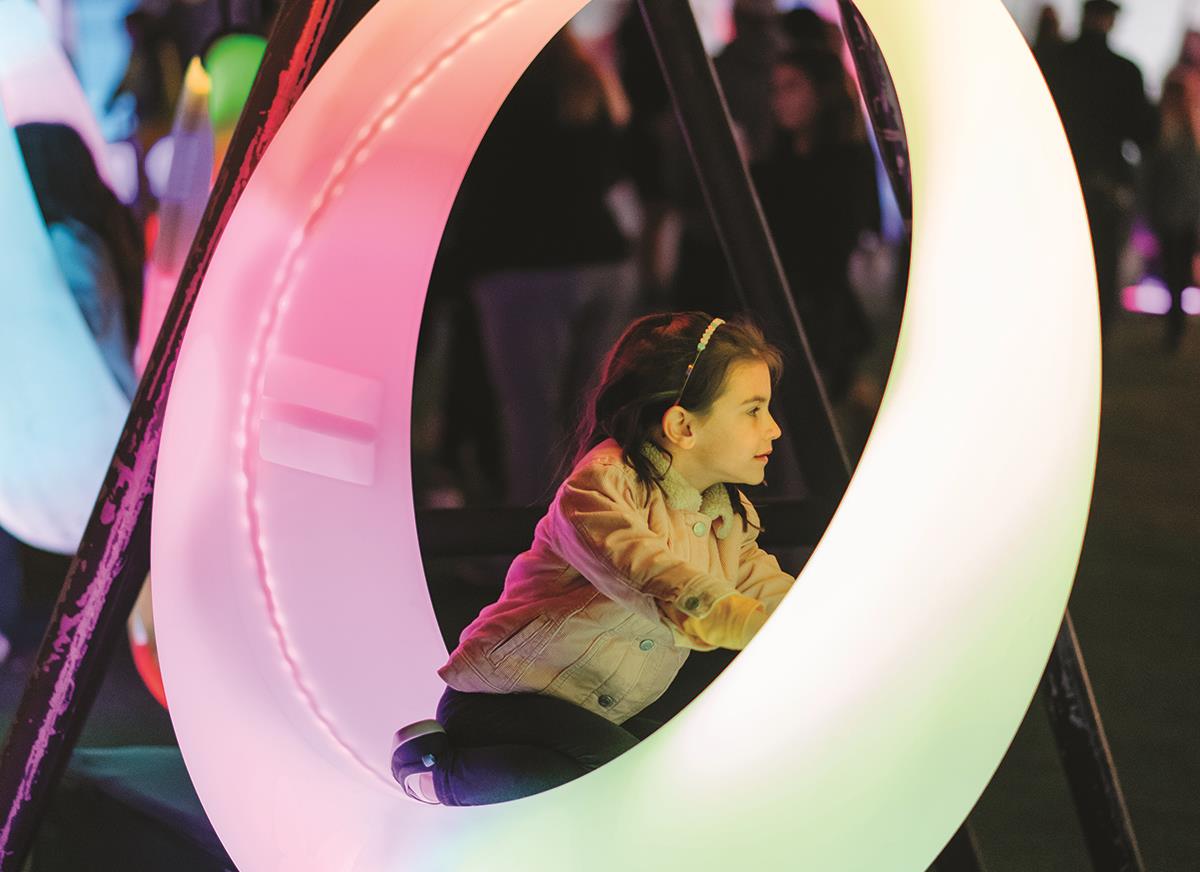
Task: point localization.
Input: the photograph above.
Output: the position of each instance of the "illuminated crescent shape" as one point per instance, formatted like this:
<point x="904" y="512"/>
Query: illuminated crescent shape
<point x="60" y="408"/>
<point x="861" y="725"/>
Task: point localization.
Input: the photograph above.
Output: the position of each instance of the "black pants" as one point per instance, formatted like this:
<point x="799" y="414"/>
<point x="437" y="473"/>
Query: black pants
<point x="1177" y="250"/>
<point x="508" y="745"/>
<point x="1109" y="218"/>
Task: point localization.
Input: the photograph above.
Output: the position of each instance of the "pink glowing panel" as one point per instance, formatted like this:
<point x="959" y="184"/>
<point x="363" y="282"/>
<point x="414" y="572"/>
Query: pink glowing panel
<point x="36" y="79"/>
<point x="1149" y="298"/>
<point x="294" y="623"/>
<point x="60" y="409"/>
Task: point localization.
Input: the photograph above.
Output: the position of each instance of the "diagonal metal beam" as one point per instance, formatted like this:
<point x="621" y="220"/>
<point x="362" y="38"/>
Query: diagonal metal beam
<point x="738" y="218"/>
<point x="1086" y="758"/>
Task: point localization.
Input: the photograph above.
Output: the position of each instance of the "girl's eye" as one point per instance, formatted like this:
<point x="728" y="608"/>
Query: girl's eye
<point x="754" y="411"/>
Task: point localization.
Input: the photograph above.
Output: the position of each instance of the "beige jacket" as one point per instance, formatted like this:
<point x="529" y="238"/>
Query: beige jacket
<point x="584" y="612"/>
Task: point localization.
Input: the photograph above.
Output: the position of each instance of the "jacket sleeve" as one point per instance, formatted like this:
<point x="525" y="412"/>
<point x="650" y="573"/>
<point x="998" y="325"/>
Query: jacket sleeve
<point x="731" y="624"/>
<point x="598" y="526"/>
<point x="759" y="575"/>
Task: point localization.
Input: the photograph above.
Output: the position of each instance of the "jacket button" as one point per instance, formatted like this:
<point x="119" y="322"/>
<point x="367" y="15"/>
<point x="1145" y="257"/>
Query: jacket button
<point x="691" y="603"/>
<point x="647" y="644"/>
<point x="699" y="528"/>
<point x="605" y="701"/>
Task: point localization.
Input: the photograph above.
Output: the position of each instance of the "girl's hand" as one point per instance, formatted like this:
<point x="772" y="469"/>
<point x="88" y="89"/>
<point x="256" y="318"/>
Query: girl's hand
<point x="731" y="623"/>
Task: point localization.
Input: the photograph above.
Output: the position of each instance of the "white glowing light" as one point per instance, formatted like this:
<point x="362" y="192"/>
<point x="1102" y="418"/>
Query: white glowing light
<point x="1191" y="301"/>
<point x="295" y="628"/>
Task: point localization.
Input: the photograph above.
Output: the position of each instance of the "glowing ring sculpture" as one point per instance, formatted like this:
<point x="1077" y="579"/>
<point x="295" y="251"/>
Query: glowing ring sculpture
<point x="861" y="725"/>
<point x="60" y="408"/>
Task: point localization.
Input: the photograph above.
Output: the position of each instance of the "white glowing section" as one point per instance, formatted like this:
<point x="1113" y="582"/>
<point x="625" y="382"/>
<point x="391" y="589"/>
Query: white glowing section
<point x="60" y="410"/>
<point x="36" y="79"/>
<point x="1190" y="302"/>
<point x="857" y="731"/>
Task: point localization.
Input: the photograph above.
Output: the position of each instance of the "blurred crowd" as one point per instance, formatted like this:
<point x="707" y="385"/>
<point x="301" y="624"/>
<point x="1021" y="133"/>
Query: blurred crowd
<point x="1139" y="164"/>
<point x="581" y="210"/>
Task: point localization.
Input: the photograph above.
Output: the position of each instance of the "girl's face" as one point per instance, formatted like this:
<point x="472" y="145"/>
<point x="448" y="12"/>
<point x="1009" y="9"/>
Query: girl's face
<point x="732" y="443"/>
<point x="793" y="98"/>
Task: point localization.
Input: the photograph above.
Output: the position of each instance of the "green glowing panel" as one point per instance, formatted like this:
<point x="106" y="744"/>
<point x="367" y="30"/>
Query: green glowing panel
<point x="232" y="63"/>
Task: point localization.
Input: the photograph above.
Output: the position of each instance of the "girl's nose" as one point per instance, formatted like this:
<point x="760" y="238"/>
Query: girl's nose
<point x="775" y="431"/>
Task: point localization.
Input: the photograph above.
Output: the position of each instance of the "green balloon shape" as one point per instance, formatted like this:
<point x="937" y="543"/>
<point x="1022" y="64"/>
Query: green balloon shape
<point x="232" y="63"/>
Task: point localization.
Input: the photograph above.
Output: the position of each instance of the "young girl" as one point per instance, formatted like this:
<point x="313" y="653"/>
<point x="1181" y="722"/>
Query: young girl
<point x="648" y="551"/>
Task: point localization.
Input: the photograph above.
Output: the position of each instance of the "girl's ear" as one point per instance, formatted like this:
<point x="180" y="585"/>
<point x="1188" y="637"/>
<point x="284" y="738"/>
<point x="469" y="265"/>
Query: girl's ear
<point x="677" y="427"/>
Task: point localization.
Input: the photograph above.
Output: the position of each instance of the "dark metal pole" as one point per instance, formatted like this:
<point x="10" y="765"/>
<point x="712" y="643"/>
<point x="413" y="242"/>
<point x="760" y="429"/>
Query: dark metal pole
<point x="114" y="556"/>
<point x="882" y="104"/>
<point x="1067" y="693"/>
<point x="1086" y="759"/>
<point x="742" y="229"/>
<point x="961" y="854"/>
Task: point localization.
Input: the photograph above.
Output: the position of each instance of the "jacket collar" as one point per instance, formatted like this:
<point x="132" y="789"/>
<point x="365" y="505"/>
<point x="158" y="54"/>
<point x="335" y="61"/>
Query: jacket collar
<point x="681" y="496"/>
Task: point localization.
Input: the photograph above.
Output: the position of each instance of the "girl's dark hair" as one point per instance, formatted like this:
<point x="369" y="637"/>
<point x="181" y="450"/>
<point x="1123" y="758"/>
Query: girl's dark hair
<point x="644" y="371"/>
<point x="67" y="185"/>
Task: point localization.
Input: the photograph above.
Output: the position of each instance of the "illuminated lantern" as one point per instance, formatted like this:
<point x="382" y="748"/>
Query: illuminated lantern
<point x="858" y="729"/>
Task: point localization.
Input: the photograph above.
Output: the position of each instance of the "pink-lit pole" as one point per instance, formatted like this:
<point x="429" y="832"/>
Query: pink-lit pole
<point x="114" y="556"/>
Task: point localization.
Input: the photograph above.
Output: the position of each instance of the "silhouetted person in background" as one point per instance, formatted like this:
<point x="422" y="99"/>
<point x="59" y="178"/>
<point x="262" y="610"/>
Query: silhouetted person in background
<point x="1171" y="189"/>
<point x="1189" y="51"/>
<point x="1103" y="104"/>
<point x="818" y="191"/>
<point x="744" y="69"/>
<point x="1048" y="38"/>
<point x="549" y="268"/>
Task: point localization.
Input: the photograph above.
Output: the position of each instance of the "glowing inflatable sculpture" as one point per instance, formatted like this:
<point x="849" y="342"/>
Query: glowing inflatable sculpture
<point x="60" y="408"/>
<point x="36" y="79"/>
<point x="858" y="729"/>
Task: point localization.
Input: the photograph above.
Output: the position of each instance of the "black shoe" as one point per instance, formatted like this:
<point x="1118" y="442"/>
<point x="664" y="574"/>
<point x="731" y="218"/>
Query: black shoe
<point x="415" y="751"/>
